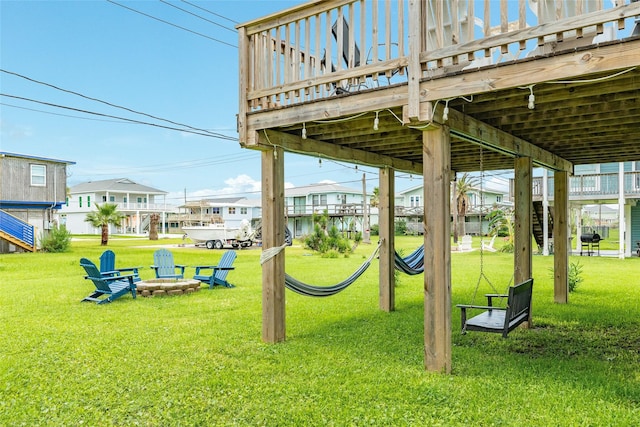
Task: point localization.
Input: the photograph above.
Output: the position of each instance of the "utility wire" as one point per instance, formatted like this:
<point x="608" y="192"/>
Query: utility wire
<point x="202" y="133"/>
<point x="172" y="24"/>
<point x="208" y="11"/>
<point x="111" y="104"/>
<point x="60" y="114"/>
<point x="198" y="16"/>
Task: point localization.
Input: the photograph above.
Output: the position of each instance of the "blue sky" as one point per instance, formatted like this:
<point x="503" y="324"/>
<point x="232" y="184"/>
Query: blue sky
<point x="103" y="50"/>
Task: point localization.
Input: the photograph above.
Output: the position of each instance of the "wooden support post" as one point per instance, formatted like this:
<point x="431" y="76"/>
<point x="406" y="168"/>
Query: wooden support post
<point x="387" y="250"/>
<point x="561" y="237"/>
<point x="523" y="183"/>
<point x="415" y="47"/>
<point x="273" y="303"/>
<point x="436" y="157"/>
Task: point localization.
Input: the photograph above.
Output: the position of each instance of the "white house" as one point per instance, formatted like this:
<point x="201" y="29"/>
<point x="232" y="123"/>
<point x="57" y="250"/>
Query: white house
<point x="344" y="206"/>
<point x="230" y="210"/>
<point x="410" y="204"/>
<point x="136" y="201"/>
<point x="597" y="184"/>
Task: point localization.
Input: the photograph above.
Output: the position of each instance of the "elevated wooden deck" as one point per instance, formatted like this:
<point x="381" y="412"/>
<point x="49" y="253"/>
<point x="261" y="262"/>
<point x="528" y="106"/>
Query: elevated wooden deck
<point x="434" y="87"/>
<point x="421" y="60"/>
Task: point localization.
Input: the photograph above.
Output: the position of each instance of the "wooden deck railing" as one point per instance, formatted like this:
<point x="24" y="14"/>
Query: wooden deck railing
<point x="322" y="48"/>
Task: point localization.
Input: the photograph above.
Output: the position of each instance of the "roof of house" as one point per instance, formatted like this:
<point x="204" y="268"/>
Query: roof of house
<point x="118" y="185"/>
<point x="322" y="188"/>
<point x="224" y="202"/>
<point x="43" y="159"/>
<point x="475" y="189"/>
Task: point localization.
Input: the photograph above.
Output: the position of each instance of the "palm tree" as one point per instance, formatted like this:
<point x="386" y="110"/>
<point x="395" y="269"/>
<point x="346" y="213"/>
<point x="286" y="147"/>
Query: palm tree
<point x="106" y="214"/>
<point x="464" y="185"/>
<point x="375" y="198"/>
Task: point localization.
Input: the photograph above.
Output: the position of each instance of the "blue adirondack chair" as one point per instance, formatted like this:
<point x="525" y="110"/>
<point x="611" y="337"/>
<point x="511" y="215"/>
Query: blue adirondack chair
<point x="108" y="266"/>
<point x="164" y="266"/>
<point x="111" y="288"/>
<point x="219" y="272"/>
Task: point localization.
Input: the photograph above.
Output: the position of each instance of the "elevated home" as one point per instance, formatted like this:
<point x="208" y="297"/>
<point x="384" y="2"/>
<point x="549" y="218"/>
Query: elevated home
<point x="229" y="210"/>
<point x="409" y="204"/>
<point x="344" y="206"/>
<point x="446" y="86"/>
<point x="32" y="190"/>
<point x="136" y="201"/>
<point x="599" y="183"/>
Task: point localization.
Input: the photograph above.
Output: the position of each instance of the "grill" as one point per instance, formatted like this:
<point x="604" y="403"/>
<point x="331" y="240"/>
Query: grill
<point x="590" y="243"/>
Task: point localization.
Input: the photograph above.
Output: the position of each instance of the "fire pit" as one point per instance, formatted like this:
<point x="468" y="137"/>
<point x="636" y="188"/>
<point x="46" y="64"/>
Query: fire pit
<point x="162" y="287"/>
<point x="590" y="242"/>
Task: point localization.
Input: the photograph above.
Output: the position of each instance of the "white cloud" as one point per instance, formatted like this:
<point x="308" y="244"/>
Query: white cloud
<point x="241" y="185"/>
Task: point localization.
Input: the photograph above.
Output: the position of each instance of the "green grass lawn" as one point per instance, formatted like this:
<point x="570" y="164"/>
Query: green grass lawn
<point x="198" y="359"/>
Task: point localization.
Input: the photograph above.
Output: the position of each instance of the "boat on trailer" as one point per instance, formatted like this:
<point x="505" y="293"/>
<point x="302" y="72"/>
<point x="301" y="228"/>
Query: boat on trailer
<point x="218" y="235"/>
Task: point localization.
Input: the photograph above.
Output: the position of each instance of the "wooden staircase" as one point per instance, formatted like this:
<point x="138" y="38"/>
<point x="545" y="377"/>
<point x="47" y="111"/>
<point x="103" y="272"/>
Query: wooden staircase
<point x="538" y="233"/>
<point x="17" y="232"/>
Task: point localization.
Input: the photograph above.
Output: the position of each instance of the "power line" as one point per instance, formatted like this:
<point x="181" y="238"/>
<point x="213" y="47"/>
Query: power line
<point x="114" y="105"/>
<point x="62" y="115"/>
<point x="172" y="24"/>
<point x="198" y="16"/>
<point x="208" y="11"/>
<point x="121" y="118"/>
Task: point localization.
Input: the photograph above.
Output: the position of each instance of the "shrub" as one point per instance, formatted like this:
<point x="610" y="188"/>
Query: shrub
<point x="575" y="275"/>
<point x="57" y="240"/>
<point x="375" y="230"/>
<point x="401" y="227"/>
<point x="575" y="278"/>
<point x="324" y="238"/>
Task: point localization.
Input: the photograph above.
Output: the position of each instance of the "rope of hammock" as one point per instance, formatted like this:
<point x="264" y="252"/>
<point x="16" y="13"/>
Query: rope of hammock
<point x="412" y="264"/>
<point x="326" y="291"/>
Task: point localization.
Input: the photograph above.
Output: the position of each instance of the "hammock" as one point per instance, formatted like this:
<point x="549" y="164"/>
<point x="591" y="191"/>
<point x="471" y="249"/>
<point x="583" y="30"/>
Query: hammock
<point x="326" y="291"/>
<point x="412" y="264"/>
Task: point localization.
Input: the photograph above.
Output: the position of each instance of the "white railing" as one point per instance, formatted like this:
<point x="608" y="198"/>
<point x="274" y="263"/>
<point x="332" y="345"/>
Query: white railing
<point x="599" y="186"/>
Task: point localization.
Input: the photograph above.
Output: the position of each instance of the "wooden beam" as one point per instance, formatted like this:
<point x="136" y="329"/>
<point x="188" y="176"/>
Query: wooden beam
<point x="312" y="147"/>
<point x="335" y="107"/>
<point x="387" y="231"/>
<point x="243" y="83"/>
<point x="561" y="237"/>
<point x="612" y="57"/>
<point x="273" y="235"/>
<point x="414" y="68"/>
<point x="437" y="250"/>
<point x="467" y="128"/>
<point x="523" y="187"/>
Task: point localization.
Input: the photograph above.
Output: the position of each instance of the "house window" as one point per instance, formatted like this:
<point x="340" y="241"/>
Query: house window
<point x="38" y="175"/>
<point x="415" y="201"/>
<point x="243" y="211"/>
<point x="215" y="211"/>
<point x="88" y="201"/>
<point x="80" y="202"/>
<point x="104" y="199"/>
<point x="139" y="199"/>
<point x="66" y="201"/>
<point x="112" y="198"/>
<point x="319" y="199"/>
<point x="124" y="199"/>
<point x="232" y="211"/>
<point x="498" y="198"/>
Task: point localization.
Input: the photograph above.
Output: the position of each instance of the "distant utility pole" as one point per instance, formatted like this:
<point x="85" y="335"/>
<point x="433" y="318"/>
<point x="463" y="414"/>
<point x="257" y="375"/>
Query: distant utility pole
<point x="366" y="233"/>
